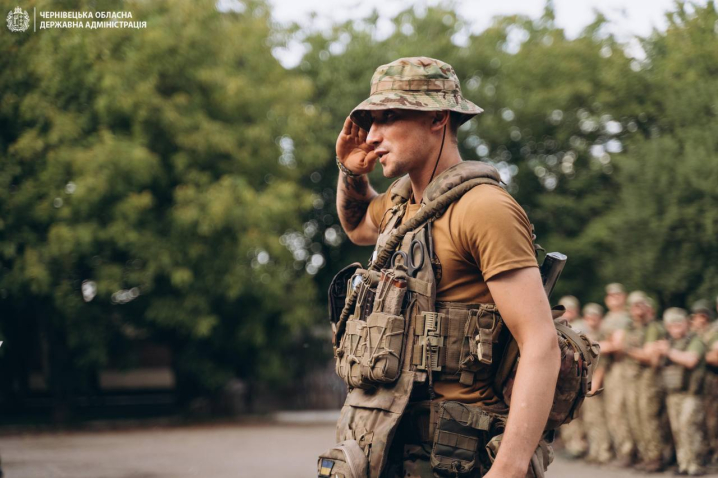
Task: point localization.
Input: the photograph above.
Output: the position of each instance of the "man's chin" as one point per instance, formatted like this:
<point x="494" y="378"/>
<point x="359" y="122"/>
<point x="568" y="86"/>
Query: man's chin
<point x="390" y="172"/>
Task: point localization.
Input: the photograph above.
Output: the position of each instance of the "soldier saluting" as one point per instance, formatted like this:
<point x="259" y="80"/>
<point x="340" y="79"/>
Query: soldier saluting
<point x="443" y="309"/>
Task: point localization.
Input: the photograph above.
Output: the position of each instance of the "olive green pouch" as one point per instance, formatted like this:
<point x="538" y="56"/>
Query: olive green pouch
<point x="459" y="431"/>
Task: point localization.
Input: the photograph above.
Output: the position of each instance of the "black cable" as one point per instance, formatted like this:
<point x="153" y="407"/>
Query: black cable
<point x="439" y="157"/>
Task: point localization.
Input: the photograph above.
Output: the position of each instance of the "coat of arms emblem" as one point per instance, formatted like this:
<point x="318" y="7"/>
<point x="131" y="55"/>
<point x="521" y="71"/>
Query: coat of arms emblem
<point x="18" y="20"/>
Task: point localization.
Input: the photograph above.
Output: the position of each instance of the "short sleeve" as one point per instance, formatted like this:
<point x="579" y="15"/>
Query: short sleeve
<point x="697" y="346"/>
<point x="654" y="332"/>
<point x="377" y="207"/>
<point x="494" y="231"/>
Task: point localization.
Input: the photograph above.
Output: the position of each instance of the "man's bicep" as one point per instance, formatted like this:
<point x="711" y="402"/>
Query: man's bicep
<point x="366" y="233"/>
<point x="522" y="302"/>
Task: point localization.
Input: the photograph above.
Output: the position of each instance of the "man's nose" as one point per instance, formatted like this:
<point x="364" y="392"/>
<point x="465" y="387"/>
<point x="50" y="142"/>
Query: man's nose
<point x="374" y="137"/>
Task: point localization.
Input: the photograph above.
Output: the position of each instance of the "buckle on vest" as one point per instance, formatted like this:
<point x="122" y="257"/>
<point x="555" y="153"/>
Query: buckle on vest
<point x="431" y="341"/>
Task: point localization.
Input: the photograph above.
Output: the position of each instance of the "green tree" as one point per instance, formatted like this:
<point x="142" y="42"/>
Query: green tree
<point x="662" y="234"/>
<point x="164" y="166"/>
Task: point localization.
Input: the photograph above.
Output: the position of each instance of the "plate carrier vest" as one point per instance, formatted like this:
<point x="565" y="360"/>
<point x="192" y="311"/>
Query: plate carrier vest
<point x="390" y="333"/>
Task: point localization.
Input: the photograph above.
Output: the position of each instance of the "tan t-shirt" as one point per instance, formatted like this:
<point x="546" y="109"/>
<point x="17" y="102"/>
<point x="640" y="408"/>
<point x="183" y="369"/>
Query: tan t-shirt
<point x="479" y="236"/>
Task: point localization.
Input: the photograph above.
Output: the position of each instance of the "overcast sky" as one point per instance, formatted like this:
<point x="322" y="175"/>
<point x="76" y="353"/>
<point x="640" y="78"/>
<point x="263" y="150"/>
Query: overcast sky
<point x="627" y="17"/>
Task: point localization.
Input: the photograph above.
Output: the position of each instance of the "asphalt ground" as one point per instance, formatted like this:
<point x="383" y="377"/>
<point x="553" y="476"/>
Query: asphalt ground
<point x="284" y="448"/>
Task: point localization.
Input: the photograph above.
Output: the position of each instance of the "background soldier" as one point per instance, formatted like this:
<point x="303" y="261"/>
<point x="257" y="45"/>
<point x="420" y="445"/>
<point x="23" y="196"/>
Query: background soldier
<point x="573" y="308"/>
<point x="683" y="371"/>
<point x="701" y="324"/>
<point x="573" y="434"/>
<point x="593" y="411"/>
<point x="646" y="398"/>
<point x="614" y="323"/>
<point x="631" y="339"/>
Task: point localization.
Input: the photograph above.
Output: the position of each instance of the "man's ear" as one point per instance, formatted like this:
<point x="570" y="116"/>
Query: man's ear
<point x="439" y="119"/>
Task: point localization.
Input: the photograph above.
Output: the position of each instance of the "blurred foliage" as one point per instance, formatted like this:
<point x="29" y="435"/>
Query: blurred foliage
<point x="189" y="178"/>
<point x="164" y="165"/>
<point x="663" y="230"/>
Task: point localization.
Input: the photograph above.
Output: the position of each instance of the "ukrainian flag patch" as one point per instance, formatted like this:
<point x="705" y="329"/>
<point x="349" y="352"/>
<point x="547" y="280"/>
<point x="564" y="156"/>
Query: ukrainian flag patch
<point x="326" y="468"/>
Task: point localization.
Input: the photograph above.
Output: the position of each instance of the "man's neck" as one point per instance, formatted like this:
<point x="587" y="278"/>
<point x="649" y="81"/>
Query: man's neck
<point x="421" y="178"/>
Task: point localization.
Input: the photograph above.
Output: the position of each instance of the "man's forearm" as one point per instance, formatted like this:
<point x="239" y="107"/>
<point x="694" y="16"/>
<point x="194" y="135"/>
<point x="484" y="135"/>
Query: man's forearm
<point x="685" y="358"/>
<point x="531" y="402"/>
<point x="640" y="355"/>
<point x="353" y="198"/>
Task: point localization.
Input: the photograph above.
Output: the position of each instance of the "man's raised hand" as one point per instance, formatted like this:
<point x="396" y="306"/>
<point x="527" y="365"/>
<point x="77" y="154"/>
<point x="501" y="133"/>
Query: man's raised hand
<point x="352" y="149"/>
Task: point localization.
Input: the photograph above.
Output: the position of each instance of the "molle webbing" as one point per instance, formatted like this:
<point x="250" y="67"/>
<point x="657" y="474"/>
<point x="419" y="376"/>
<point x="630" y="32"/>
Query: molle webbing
<point x="454" y="339"/>
<point x="430" y="211"/>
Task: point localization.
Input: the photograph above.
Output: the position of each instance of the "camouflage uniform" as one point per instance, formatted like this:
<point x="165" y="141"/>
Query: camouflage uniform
<point x="646" y="401"/>
<point x="710" y="397"/>
<point x="684" y="401"/>
<point x="593" y="413"/>
<point x="632" y="370"/>
<point x="573" y="434"/>
<point x="615" y="398"/>
<point x="709" y="334"/>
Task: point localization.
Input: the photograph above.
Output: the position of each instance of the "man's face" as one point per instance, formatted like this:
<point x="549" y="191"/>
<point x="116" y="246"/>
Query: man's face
<point x="571" y="314"/>
<point x="402" y="139"/>
<point x="616" y="300"/>
<point x="699" y="322"/>
<point x="677" y="330"/>
<point x="637" y="311"/>
<point x="592" y="320"/>
<point x="648" y="311"/>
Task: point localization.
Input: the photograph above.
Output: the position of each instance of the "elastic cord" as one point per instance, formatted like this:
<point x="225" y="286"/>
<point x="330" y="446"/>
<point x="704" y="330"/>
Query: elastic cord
<point x="439" y="157"/>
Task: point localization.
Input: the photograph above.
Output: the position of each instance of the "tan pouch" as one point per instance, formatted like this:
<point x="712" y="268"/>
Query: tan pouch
<point x="459" y="431"/>
<point x="344" y="460"/>
<point x="350" y="352"/>
<point x="384" y="342"/>
<point x="371" y="418"/>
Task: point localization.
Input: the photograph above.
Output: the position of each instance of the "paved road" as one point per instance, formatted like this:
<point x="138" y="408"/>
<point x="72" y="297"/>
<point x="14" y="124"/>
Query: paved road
<point x="284" y="450"/>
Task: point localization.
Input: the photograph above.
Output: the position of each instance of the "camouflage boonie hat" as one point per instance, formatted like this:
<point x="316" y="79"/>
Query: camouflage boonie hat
<point x="636" y="297"/>
<point x="415" y="83"/>
<point x="570" y="302"/>
<point x="702" y="307"/>
<point x="615" y="288"/>
<point x="592" y="308"/>
<point x="674" y="315"/>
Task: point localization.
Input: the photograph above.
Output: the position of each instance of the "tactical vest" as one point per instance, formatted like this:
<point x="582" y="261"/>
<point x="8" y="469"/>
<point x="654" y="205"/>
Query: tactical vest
<point x="392" y="336"/>
<point x="635" y="338"/>
<point x="676" y="377"/>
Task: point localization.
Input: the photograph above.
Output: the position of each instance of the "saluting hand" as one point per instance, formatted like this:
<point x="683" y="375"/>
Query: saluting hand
<point x="353" y="151"/>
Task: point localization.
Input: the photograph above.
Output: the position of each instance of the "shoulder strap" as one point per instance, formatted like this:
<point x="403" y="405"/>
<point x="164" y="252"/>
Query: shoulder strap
<point x="400" y="190"/>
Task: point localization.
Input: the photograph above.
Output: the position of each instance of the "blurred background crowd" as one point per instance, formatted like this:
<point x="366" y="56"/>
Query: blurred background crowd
<point x="656" y="387"/>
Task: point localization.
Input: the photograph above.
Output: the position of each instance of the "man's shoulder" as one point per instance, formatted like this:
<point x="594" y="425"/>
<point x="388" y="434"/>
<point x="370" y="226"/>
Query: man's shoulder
<point x="486" y="193"/>
<point x="487" y="201"/>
